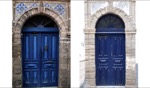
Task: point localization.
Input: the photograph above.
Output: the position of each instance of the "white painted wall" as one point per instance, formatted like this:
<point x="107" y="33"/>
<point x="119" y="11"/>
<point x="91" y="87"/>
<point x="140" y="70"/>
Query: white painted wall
<point x="143" y="41"/>
<point x="77" y="37"/>
<point x="5" y="43"/>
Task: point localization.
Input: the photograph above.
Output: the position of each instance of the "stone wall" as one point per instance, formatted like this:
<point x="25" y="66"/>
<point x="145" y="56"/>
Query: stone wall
<point x="50" y="9"/>
<point x="94" y="9"/>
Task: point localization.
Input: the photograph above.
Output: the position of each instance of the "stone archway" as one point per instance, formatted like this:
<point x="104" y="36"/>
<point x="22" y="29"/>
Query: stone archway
<point x="58" y="19"/>
<point x="110" y="51"/>
<point x="93" y="19"/>
<point x="63" y="34"/>
<point x="90" y="31"/>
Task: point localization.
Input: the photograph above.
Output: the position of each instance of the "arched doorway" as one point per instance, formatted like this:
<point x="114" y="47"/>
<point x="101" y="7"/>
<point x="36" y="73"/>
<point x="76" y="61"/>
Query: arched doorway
<point x="40" y="52"/>
<point x="110" y="51"/>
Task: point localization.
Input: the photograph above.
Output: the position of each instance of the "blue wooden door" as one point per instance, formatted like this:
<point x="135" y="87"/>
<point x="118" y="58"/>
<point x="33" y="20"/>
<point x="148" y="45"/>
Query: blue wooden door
<point x="31" y="59"/>
<point x="49" y="68"/>
<point x="40" y="57"/>
<point x="110" y="51"/>
<point x="118" y="59"/>
<point x="110" y="59"/>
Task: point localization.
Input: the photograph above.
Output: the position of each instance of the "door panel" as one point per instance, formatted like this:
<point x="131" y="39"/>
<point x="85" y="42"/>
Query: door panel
<point x="54" y="43"/>
<point x="31" y="64"/>
<point x="49" y="61"/>
<point x="118" y="58"/>
<point x="110" y="59"/>
<point x="40" y="59"/>
<point x="102" y="61"/>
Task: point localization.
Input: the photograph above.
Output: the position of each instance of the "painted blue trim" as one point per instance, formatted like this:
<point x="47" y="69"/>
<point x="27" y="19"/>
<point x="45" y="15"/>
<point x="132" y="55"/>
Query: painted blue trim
<point x="38" y="29"/>
<point x="110" y="30"/>
<point x="35" y="46"/>
<point x="45" y="44"/>
<point x="53" y="45"/>
<point x="27" y="47"/>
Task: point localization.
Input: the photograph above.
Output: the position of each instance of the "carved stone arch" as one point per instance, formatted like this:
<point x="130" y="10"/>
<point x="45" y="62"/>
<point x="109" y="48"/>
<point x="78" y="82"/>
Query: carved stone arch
<point x="63" y="43"/>
<point x="43" y="11"/>
<point x="110" y="10"/>
<point x="90" y="42"/>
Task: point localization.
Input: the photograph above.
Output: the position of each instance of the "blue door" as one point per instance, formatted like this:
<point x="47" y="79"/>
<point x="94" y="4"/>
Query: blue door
<point x="40" y="55"/>
<point x="110" y="59"/>
<point x="49" y="65"/>
<point x="110" y="51"/>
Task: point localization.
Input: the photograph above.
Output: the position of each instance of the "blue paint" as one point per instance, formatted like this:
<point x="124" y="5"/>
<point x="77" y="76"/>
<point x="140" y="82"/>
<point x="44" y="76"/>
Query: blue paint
<point x="45" y="77"/>
<point x="37" y="70"/>
<point x="27" y="47"/>
<point x="46" y="48"/>
<point x="27" y="77"/>
<point x="109" y="60"/>
<point x="59" y="9"/>
<point x="35" y="47"/>
<point x="33" y="5"/>
<point x="21" y="8"/>
<point x="47" y="5"/>
<point x="35" y="77"/>
<point x="110" y="51"/>
<point x="53" y="76"/>
<point x="53" y="47"/>
<point x="31" y="66"/>
<point x="39" y="30"/>
<point x="50" y="64"/>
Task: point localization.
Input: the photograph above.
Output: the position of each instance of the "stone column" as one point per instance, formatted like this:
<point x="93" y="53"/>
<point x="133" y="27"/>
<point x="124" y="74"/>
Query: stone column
<point x="130" y="60"/>
<point x="64" y="57"/>
<point x="90" y="57"/>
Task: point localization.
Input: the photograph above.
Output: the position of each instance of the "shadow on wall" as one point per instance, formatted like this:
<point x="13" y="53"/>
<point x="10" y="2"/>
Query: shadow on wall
<point x="137" y="74"/>
<point x="83" y="84"/>
<point x="82" y="74"/>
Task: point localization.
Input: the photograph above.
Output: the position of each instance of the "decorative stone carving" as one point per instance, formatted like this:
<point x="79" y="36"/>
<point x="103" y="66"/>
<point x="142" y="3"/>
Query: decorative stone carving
<point x="59" y="9"/>
<point x="98" y="5"/>
<point x="21" y="8"/>
<point x="123" y="5"/>
<point x="48" y="5"/>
